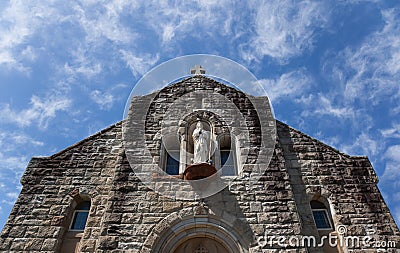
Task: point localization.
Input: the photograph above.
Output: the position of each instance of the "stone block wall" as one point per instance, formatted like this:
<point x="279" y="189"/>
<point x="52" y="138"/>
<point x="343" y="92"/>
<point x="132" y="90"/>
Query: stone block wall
<point x="349" y="184"/>
<point x="39" y="217"/>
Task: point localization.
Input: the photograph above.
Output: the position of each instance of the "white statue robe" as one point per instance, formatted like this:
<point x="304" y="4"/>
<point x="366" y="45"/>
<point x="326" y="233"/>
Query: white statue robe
<point x="201" y="139"/>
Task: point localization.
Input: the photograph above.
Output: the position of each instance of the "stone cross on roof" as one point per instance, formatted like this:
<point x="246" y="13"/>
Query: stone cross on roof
<point x="197" y="70"/>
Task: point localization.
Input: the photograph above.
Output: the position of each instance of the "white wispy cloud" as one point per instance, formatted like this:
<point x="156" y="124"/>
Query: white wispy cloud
<point x="13" y="163"/>
<point x="395" y="110"/>
<point x="91" y="24"/>
<point x="391" y="174"/>
<point x="392" y="132"/>
<point x="321" y="104"/>
<point x="392" y="153"/>
<point x="138" y="64"/>
<point x="40" y="111"/>
<point x="9" y="60"/>
<point x="11" y="170"/>
<point x="82" y="64"/>
<point x="287" y="86"/>
<point x="371" y="71"/>
<point x="333" y="141"/>
<point x="15" y="138"/>
<point x="364" y="144"/>
<point x="327" y="107"/>
<point x="19" y="21"/>
<point x="102" y="21"/>
<point x="108" y="97"/>
<point x="16" y="164"/>
<point x="29" y="53"/>
<point x="82" y="68"/>
<point x="104" y="99"/>
<point x="17" y="147"/>
<point x="182" y="18"/>
<point x="284" y="29"/>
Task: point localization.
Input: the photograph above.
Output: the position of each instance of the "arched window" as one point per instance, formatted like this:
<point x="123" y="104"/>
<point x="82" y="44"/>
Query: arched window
<point x="321" y="215"/>
<point x="227" y="156"/>
<point x="80" y="216"/>
<point x="170" y="157"/>
<point x="324" y="223"/>
<point x="171" y="164"/>
<point x="76" y="223"/>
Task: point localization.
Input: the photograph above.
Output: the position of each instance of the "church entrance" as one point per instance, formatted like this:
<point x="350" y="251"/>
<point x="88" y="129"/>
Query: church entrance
<point x="201" y="245"/>
<point x="200" y="233"/>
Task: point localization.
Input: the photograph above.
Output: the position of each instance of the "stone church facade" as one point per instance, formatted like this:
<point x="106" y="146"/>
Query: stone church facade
<point x="89" y="198"/>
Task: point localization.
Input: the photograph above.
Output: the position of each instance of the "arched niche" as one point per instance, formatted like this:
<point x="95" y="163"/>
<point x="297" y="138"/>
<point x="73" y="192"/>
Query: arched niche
<point x="211" y="123"/>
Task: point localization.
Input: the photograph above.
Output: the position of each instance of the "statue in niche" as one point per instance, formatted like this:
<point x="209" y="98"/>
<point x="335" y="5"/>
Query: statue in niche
<point x="201" y="139"/>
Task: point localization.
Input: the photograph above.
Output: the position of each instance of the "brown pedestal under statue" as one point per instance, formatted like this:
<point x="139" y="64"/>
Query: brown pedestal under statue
<point x="198" y="171"/>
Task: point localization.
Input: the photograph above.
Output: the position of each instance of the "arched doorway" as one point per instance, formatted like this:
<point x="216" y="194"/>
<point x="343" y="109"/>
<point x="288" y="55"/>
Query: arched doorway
<point x="193" y="233"/>
<point x="201" y="245"/>
<point x="200" y="237"/>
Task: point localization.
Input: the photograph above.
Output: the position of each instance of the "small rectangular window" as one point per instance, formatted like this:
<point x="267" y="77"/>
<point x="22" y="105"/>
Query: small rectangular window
<point x="172" y="165"/>
<point x="227" y="163"/>
<point x="79" y="220"/>
<point x="321" y="219"/>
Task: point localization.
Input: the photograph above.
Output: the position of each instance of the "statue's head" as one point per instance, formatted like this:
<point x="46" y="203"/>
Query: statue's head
<point x="199" y="125"/>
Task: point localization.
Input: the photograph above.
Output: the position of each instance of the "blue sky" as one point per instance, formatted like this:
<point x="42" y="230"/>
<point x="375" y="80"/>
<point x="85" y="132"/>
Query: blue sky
<point x="331" y="69"/>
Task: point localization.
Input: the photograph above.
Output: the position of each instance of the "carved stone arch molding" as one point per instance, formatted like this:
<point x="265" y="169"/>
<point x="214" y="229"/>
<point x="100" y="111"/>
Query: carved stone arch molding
<point x="318" y="190"/>
<point x="322" y="194"/>
<point x="86" y="193"/>
<point x="191" y="223"/>
<point x="71" y="199"/>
